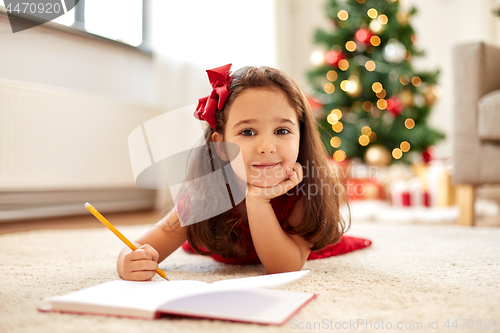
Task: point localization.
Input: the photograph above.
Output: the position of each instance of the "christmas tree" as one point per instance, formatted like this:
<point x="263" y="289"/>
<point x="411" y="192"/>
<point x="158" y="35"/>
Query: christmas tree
<point x="372" y="98"/>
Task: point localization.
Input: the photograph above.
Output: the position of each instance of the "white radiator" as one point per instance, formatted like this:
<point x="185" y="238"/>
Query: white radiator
<point x="58" y="141"/>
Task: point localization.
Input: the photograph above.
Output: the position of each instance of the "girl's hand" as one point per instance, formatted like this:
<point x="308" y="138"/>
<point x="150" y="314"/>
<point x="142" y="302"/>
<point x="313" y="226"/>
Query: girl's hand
<point x="139" y="265"/>
<point x="265" y="194"/>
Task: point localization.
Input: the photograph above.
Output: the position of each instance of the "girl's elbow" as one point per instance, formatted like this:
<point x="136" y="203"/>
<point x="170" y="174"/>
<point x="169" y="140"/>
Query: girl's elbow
<point x="291" y="267"/>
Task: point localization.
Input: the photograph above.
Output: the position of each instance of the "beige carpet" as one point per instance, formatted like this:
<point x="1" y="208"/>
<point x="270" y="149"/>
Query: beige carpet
<point x="411" y="274"/>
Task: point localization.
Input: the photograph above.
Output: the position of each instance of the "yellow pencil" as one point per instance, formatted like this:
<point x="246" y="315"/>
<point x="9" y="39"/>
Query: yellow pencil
<point x="117" y="233"/>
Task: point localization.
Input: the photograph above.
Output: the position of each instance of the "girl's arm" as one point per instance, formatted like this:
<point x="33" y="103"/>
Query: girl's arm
<point x="277" y="250"/>
<point x="154" y="246"/>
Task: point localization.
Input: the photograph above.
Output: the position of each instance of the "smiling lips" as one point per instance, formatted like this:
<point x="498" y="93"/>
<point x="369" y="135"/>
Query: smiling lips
<point x="265" y="165"/>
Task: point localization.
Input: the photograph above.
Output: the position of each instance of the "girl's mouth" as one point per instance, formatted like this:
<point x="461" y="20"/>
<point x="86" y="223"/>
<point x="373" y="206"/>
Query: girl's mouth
<point x="265" y="165"/>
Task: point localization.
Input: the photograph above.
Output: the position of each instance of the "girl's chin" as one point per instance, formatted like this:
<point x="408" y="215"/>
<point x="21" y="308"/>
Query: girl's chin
<point x="266" y="182"/>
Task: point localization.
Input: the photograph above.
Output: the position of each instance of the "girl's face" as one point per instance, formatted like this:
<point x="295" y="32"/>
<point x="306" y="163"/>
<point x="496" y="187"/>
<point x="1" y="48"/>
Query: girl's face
<point x="264" y="125"/>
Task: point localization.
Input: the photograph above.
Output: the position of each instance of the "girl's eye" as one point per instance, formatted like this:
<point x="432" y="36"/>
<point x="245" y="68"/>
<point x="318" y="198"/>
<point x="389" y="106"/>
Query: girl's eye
<point x="247" y="132"/>
<point x="283" y="131"/>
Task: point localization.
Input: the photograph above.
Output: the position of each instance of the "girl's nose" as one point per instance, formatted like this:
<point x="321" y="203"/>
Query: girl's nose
<point x="267" y="146"/>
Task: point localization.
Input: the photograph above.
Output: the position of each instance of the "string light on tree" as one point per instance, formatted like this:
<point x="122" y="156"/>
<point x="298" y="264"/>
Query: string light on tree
<point x="317" y="57"/>
<point x="363" y="35"/>
<point x="344" y="65"/>
<point x="406" y="97"/>
<point x="372" y="13"/>
<point x="377" y="155"/>
<point x="329" y="88"/>
<point x="336" y="113"/>
<point x="402" y="18"/>
<point x="394" y="106"/>
<point x="404" y="80"/>
<point x="405" y="146"/>
<point x="332" y="119"/>
<point x="339" y="155"/>
<point x="416" y="81"/>
<point x="431" y="94"/>
<point x="407" y="55"/>
<point x="397" y="153"/>
<point x="337" y="127"/>
<point x="394" y="51"/>
<point x="367" y="106"/>
<point x="366" y="130"/>
<point x="335" y="142"/>
<point x="383" y="19"/>
<point x="377" y="87"/>
<point x="370" y="65"/>
<point x="375" y="40"/>
<point x="333" y="57"/>
<point x="343" y="15"/>
<point x="332" y="75"/>
<point x="366" y="73"/>
<point x="382" y="104"/>
<point x="364" y="140"/>
<point x="409" y="123"/>
<point x="350" y="46"/>
<point x="355" y="86"/>
<point x="381" y="94"/>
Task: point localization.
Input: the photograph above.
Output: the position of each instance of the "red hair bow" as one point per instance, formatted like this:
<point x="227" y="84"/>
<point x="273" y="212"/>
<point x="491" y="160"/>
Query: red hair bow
<point x="219" y="79"/>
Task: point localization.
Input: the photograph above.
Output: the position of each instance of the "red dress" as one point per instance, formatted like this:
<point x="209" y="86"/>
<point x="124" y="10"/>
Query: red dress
<point x="282" y="207"/>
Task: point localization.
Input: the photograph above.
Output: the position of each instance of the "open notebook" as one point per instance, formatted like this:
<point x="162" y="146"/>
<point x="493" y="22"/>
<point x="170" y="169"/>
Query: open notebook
<point x="240" y="299"/>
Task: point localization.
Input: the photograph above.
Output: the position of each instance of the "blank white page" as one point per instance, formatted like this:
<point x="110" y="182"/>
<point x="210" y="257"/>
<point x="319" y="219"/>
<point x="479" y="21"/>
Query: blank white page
<point x="115" y="296"/>
<point x="260" y="281"/>
<point x="264" y="306"/>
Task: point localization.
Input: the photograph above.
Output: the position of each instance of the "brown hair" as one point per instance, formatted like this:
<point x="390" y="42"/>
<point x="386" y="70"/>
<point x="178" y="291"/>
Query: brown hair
<point x="322" y="223"/>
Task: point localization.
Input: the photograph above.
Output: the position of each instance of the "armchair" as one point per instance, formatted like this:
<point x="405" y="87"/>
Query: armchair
<point x="476" y="122"/>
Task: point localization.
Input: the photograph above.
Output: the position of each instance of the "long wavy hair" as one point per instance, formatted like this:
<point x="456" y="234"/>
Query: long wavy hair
<point x="322" y="223"/>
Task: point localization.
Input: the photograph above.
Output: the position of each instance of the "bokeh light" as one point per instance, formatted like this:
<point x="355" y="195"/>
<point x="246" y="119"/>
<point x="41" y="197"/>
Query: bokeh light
<point x="338" y="127"/>
<point x="375" y="40"/>
<point x="409" y="123"/>
<point x="370" y="65"/>
<point x="343" y="15"/>
<point x="329" y="88"/>
<point x="343" y="64"/>
<point x="397" y="153"/>
<point x="335" y="142"/>
<point x="331" y="75"/>
<point x="377" y="87"/>
<point x="339" y="155"/>
<point x="405" y="146"/>
<point x="382" y="104"/>
<point x="372" y="13"/>
<point x="364" y="140"/>
<point x="350" y="46"/>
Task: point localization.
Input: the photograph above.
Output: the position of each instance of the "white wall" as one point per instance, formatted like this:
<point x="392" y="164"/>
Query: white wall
<point x="51" y="57"/>
<point x="191" y="36"/>
<point x="439" y="25"/>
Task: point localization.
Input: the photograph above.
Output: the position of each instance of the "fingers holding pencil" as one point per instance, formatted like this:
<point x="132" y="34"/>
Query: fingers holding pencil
<point x="141" y="264"/>
<point x="149" y="249"/>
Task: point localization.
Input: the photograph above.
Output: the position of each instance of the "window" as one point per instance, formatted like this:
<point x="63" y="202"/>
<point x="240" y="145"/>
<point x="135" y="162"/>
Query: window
<point x="212" y="33"/>
<point x="119" y="20"/>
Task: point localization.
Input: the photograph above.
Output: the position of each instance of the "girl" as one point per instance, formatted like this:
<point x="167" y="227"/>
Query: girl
<point x="292" y="202"/>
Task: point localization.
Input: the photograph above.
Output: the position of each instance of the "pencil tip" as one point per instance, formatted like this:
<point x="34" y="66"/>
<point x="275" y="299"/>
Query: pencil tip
<point x="87" y="205"/>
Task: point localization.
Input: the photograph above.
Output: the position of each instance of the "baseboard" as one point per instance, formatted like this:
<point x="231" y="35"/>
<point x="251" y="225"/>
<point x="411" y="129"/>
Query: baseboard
<point x="25" y="205"/>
